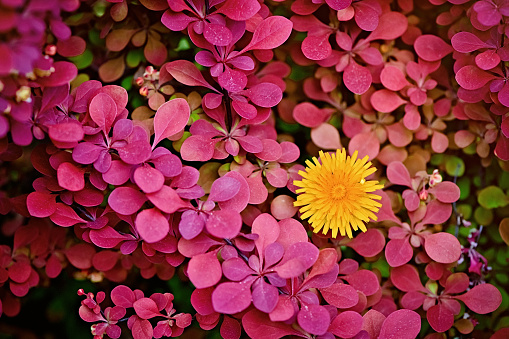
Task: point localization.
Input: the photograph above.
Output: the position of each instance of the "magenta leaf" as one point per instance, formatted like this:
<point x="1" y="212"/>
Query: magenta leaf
<point x="142" y="329"/>
<point x="146" y="308"/>
<point x="231" y="297"/>
<point x="204" y="270"/>
<point x="270" y="33"/>
<point x="317" y="47"/>
<point x="373" y="321"/>
<point x="151" y="225"/>
<point x="314" y="319"/>
<point x="391" y="26"/>
<point x="466" y="42"/>
<point x="482" y="299"/>
<point x="122" y="296"/>
<point x="171" y="118"/>
<point x="298" y="258"/>
<point x="71" y="177"/>
<point x="393" y="78"/>
<point x="346" y="324"/>
<point x="440" y="318"/>
<point x="431" y="48"/>
<point x="369" y="243"/>
<point x="224" y="189"/>
<point x="364" y="281"/>
<point x="66" y="132"/>
<point x="267" y="229"/>
<point x="265" y="296"/>
<point x="167" y="200"/>
<point x="148" y="178"/>
<point x="265" y="94"/>
<point x="437" y="213"/>
<point x="236" y="269"/>
<point x="258" y="325"/>
<point x="241" y="199"/>
<point x="401" y="324"/>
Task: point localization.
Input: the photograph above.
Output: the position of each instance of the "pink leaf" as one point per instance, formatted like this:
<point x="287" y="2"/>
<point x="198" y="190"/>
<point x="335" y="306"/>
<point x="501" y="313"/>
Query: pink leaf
<point x="317" y="47"/>
<point x="224" y="224"/>
<point x="366" y="144"/>
<point x="437" y="213"/>
<point x="466" y="42"/>
<point x="482" y="299"/>
<point x="66" y="132"/>
<point x="357" y="78"/>
<point x="265" y="94"/>
<point x="148" y="178"/>
<point x="346" y="324"/>
<point x="314" y="319"/>
<point x="446" y="192"/>
<point x="126" y="200"/>
<point x="401" y="324"/>
<point x="472" y="77"/>
<point x="364" y="281"/>
<point x="170" y="118"/>
<point x="267" y="229"/>
<point x="431" y="48"/>
<point x="241" y="199"/>
<point x="122" y="296"/>
<point x="204" y="270"/>
<point x="340" y="295"/>
<point x="80" y="255"/>
<point x="142" y="329"/>
<point x="224" y="189"/>
<point x="440" y="318"/>
<point x="391" y="26"/>
<point x="393" y="78"/>
<point x="406" y="278"/>
<point x="456" y="283"/>
<point x="186" y="72"/>
<point x="231" y="297"/>
<point x="198" y="148"/>
<point x="309" y="115"/>
<point x="65" y="216"/>
<point x="239" y="10"/>
<point x="151" y="225"/>
<point x="398" y="252"/>
<point x="271" y="150"/>
<point x="373" y="321"/>
<point x="146" y="308"/>
<point x="439" y="142"/>
<point x="70" y="177"/>
<point x="386" y="101"/>
<point x="167" y="200"/>
<point x="412" y="300"/>
<point x="270" y="33"/>
<point x="326" y="136"/>
<point x="298" y="258"/>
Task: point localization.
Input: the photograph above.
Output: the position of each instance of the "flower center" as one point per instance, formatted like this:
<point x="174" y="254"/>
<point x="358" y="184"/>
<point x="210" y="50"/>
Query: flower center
<point x="338" y="191"/>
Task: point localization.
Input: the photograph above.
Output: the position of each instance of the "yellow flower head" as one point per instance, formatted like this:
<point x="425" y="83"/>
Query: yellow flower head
<point x="334" y="194"/>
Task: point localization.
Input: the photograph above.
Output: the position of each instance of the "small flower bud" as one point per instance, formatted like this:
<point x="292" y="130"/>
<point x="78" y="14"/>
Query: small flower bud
<point x="144" y="91"/>
<point x="23" y="93"/>
<point x="50" y="50"/>
<point x="423" y="195"/>
<point x="140" y="81"/>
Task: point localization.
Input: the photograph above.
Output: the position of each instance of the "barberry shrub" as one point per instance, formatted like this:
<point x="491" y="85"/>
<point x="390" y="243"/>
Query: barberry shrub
<point x="254" y="168"/>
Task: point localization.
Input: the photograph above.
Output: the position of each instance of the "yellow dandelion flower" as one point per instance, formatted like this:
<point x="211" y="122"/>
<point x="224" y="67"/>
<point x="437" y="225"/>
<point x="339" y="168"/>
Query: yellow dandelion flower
<point x="334" y="194"/>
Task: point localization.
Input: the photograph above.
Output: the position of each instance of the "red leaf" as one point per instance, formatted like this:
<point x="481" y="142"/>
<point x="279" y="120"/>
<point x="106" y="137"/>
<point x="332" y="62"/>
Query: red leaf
<point x="466" y="42"/>
<point x="70" y="177"/>
<point x="482" y="299"/>
<point x="406" y="278"/>
<point x="401" y="324"/>
<point x="314" y="319"/>
<point x="437" y="213"/>
<point x="239" y="10"/>
<point x="317" y="47"/>
<point x="373" y="321"/>
<point x="364" y="281"/>
<point x="393" y="78"/>
<point x="66" y="132"/>
<point x="170" y="118"/>
<point x="391" y="26"/>
<point x="122" y="296"/>
<point x="309" y="115"/>
<point x="41" y="205"/>
<point x="265" y="94"/>
<point x="224" y="224"/>
<point x="80" y="256"/>
<point x="103" y="110"/>
<point x="368" y="244"/>
<point x="149" y="179"/>
<point x="440" y="318"/>
<point x="142" y="329"/>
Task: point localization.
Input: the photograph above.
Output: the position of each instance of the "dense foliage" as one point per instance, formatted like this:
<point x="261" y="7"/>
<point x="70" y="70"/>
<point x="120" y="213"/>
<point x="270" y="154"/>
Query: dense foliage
<point x="153" y="159"/>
